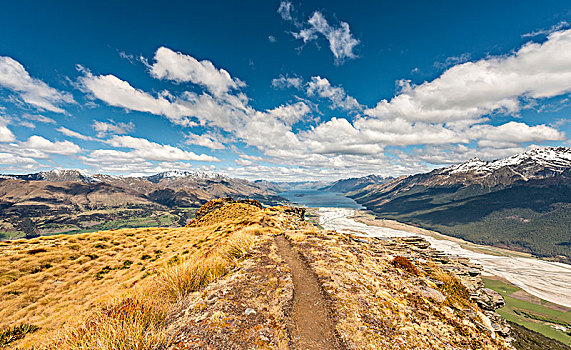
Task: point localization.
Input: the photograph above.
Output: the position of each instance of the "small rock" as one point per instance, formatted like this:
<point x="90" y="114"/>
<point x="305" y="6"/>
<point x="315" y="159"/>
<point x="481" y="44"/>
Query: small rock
<point x="249" y="311"/>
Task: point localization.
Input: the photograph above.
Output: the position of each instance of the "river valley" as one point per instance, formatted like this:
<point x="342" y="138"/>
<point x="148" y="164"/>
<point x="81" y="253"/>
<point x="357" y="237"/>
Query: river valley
<point x="547" y="280"/>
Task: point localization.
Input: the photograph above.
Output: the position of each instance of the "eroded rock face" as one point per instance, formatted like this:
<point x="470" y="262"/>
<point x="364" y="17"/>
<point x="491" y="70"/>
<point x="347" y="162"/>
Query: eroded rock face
<point x="489" y="299"/>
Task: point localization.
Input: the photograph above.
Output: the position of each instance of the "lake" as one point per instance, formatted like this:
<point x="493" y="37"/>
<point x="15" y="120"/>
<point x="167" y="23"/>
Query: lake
<point x="318" y="199"/>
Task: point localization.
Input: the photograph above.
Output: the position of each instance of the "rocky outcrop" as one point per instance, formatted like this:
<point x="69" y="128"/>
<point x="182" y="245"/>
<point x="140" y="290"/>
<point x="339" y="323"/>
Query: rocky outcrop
<point x="418" y="249"/>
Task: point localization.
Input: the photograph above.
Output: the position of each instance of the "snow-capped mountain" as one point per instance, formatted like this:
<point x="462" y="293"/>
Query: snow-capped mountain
<point x="55" y="175"/>
<point x="173" y="174"/>
<point x="544" y="160"/>
<point x="534" y="164"/>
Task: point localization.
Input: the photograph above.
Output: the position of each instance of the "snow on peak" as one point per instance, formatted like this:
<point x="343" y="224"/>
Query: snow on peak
<point x="553" y="158"/>
<point x="171" y="174"/>
<point x="474" y="164"/>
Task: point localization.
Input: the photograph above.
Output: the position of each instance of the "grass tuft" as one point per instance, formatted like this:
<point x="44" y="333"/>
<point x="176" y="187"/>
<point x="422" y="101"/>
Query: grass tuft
<point x="130" y="323"/>
<point x="11" y="334"/>
<point x="179" y="280"/>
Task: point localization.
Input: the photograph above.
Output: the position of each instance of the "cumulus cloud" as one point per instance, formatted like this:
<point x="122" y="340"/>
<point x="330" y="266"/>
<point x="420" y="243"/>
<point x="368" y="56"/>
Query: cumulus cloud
<point x="145" y="149"/>
<point x="6" y="134"/>
<point x="119" y="93"/>
<point x="514" y="132"/>
<point x="12" y="159"/>
<point x="14" y="77"/>
<point x="112" y="127"/>
<point x="205" y="140"/>
<point x="494" y="84"/>
<point x="445" y="116"/>
<point x="321" y="87"/>
<point x="290" y="113"/>
<point x="444" y="155"/>
<point x="42" y="145"/>
<point x="179" y="67"/>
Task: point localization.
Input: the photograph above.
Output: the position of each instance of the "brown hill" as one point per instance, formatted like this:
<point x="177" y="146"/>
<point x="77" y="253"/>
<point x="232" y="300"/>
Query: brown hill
<point x="69" y="201"/>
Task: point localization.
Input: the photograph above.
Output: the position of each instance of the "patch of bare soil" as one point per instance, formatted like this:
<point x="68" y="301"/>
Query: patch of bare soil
<point x="312" y="327"/>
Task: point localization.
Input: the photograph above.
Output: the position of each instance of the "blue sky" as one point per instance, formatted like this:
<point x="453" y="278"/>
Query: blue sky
<point x="280" y="90"/>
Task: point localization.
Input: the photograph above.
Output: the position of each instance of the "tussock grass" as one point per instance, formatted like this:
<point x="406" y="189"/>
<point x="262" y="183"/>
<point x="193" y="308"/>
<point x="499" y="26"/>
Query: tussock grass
<point x="457" y="293"/>
<point x="129" y="323"/>
<point x="179" y="280"/>
<point x="55" y="281"/>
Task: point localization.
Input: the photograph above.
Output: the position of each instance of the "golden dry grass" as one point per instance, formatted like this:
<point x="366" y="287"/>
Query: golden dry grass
<point x="49" y="281"/>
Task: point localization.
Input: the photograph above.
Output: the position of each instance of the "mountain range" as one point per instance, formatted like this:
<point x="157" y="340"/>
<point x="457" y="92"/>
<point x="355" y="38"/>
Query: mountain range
<point x="355" y="183"/>
<point x="522" y="202"/>
<point x="59" y="201"/>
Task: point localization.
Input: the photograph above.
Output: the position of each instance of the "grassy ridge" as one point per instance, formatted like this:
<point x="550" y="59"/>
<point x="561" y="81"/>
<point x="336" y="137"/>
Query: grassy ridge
<point x="113" y="285"/>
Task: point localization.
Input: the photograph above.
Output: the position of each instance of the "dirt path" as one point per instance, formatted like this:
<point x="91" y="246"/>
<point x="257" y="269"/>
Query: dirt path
<point x="312" y="328"/>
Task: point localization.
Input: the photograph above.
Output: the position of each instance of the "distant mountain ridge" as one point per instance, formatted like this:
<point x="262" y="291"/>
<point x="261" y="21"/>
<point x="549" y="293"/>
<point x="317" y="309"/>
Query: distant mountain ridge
<point x="537" y="163"/>
<point x="356" y="183"/>
<point x="57" y="175"/>
<point x="59" y="200"/>
<point x="521" y="202"/>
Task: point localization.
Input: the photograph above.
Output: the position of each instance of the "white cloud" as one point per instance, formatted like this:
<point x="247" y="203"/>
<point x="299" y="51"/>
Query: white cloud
<point x="42" y="145"/>
<point x="554" y="28"/>
<point x="341" y="42"/>
<point x="452" y="61"/>
<point x="13" y="159"/>
<point x="27" y="124"/>
<point x="38" y="118"/>
<point x="493" y="84"/>
<point x="179" y="67"/>
<point x="514" y="132"/>
<point x="285" y="9"/>
<point x="285" y="82"/>
<point x="205" y="140"/>
<point x="339" y="99"/>
<point x="145" y="149"/>
<point x="6" y="134"/>
<point x="13" y="76"/>
<point x="75" y="134"/>
<point x="119" y="93"/>
<point x="272" y="38"/>
<point x="453" y="154"/>
<point x="243" y="162"/>
<point x="112" y="127"/>
<point x="289" y="114"/>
